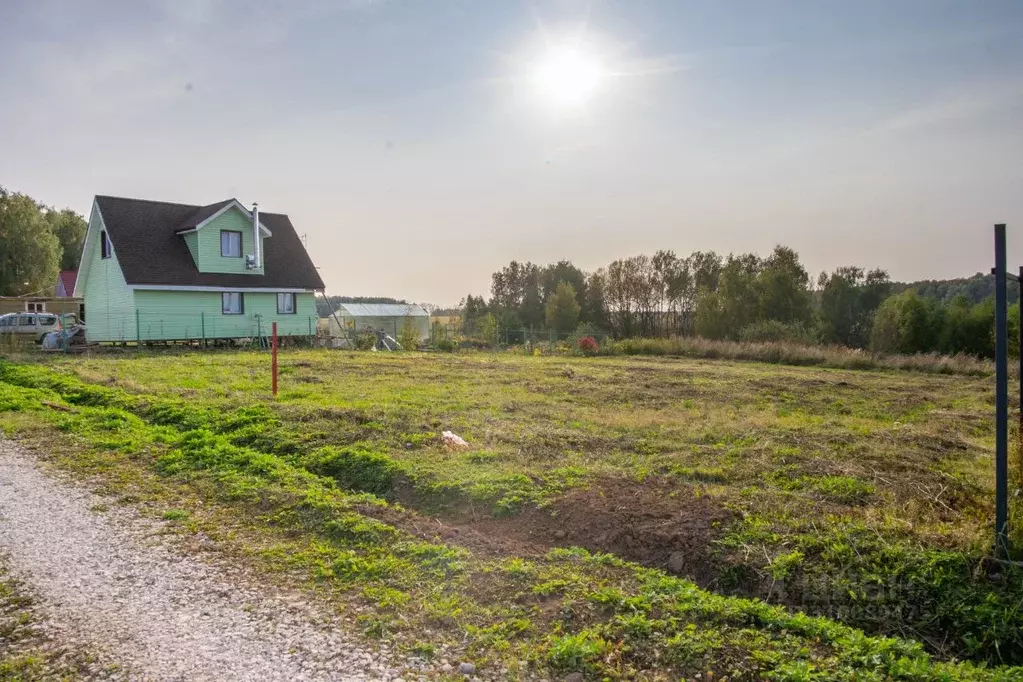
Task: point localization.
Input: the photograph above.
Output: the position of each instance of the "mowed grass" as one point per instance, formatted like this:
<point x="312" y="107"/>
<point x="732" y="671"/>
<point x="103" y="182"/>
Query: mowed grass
<point x="863" y="496"/>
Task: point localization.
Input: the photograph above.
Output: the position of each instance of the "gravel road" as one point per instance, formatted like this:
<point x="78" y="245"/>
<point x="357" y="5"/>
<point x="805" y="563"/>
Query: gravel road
<point x="106" y="585"/>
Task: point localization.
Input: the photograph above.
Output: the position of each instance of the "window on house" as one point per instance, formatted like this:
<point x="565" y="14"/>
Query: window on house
<point x="285" y="304"/>
<point x="104" y="244"/>
<point x="230" y="244"/>
<point x="35" y="307"/>
<point x="232" y="303"/>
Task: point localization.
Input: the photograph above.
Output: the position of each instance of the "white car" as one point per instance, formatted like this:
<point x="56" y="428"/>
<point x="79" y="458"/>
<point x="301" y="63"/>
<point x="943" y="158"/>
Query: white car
<point x="37" y="325"/>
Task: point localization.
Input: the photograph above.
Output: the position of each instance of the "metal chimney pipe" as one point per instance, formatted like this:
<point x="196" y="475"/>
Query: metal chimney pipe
<point x="255" y="233"/>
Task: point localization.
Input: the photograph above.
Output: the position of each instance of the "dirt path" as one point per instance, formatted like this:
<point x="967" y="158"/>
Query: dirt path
<point x="107" y="587"/>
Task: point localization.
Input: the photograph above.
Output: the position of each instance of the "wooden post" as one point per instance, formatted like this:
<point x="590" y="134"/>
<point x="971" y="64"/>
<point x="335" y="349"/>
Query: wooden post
<point x="202" y="325"/>
<point x="138" y="332"/>
<point x="273" y="355"/>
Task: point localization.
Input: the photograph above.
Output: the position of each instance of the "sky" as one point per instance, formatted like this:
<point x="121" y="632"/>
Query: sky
<point x="414" y="145"/>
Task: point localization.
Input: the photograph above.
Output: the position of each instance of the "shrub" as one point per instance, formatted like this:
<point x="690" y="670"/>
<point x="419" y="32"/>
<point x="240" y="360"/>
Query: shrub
<point x="365" y="341"/>
<point x="588" y="345"/>
<point x="409" y="336"/>
<point x="446" y="345"/>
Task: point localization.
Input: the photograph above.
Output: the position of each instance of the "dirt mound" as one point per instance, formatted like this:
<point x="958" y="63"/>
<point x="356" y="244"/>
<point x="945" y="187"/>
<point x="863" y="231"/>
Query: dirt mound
<point x="656" y="523"/>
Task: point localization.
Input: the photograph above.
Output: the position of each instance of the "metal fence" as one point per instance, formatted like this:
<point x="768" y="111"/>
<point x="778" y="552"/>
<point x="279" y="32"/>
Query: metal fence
<point x="148" y="327"/>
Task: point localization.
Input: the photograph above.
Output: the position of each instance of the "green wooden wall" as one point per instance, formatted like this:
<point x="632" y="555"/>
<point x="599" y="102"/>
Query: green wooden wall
<point x="109" y="303"/>
<point x="208" y="244"/>
<point x="179" y="315"/>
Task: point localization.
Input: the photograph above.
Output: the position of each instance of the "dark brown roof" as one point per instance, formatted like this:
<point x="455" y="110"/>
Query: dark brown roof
<point x="203" y="213"/>
<point x="144" y="237"/>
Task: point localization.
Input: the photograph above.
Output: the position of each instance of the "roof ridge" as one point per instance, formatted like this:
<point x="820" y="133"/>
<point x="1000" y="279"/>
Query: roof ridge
<point x="149" y="201"/>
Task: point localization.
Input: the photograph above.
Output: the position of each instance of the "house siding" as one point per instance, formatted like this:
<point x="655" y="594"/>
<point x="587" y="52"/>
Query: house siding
<point x="192" y="241"/>
<point x="180" y="315"/>
<point x="109" y="303"/>
<point x="208" y="244"/>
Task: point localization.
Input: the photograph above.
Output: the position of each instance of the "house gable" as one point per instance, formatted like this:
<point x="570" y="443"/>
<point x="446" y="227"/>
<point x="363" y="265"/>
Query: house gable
<point x="109" y="303"/>
<point x="207" y="238"/>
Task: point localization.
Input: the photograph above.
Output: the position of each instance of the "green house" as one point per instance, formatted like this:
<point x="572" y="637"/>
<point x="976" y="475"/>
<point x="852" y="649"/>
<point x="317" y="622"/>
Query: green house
<point x="157" y="271"/>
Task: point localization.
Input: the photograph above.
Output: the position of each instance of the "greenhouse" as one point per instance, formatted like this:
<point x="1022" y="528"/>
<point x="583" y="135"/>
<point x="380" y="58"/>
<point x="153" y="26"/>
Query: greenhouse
<point x="389" y="318"/>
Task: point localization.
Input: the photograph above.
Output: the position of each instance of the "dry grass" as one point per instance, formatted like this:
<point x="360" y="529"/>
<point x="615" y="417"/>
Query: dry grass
<point x="787" y="353"/>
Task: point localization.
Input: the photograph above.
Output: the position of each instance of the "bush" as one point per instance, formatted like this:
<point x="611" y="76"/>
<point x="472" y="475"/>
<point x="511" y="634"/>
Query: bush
<point x="409" y="336"/>
<point x="365" y="341"/>
<point x="588" y="345"/>
<point x="446" y="345"/>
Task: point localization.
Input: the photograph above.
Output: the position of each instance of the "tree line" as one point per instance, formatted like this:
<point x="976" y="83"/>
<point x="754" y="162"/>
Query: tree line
<point x="742" y="297"/>
<point x="36" y="242"/>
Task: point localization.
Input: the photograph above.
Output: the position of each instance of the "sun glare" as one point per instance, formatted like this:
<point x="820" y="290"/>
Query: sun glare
<point x="568" y="76"/>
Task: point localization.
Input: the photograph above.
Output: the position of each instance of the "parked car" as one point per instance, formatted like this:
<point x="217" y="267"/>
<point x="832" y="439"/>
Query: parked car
<point x="37" y="325"/>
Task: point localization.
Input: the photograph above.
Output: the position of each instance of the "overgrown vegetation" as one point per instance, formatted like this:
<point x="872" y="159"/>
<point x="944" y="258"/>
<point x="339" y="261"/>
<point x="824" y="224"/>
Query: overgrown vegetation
<point x="741" y="297"/>
<point x="793" y="353"/>
<point x="862" y="496"/>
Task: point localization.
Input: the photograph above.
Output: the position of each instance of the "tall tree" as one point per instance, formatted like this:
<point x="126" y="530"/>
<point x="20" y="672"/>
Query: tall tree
<point x="563" y="309"/>
<point x="70" y="228"/>
<point x="594" y="309"/>
<point x="706" y="268"/>
<point x="848" y="299"/>
<point x="474" y="309"/>
<point x="782" y="287"/>
<point x="515" y="297"/>
<point x="563" y="271"/>
<point x="737" y="291"/>
<point x="29" y="251"/>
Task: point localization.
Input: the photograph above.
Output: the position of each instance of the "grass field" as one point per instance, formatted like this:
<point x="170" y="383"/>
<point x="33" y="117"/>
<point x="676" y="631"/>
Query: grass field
<point x="612" y="516"/>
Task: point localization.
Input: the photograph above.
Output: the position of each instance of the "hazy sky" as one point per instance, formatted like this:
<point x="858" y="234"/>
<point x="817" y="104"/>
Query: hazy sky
<point x="409" y="140"/>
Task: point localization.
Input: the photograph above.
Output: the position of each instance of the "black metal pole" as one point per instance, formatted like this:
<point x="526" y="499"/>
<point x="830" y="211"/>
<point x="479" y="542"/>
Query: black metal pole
<point x="1001" y="397"/>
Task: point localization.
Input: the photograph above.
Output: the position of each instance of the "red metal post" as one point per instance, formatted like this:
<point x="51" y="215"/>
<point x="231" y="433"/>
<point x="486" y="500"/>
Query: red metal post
<point x="273" y="354"/>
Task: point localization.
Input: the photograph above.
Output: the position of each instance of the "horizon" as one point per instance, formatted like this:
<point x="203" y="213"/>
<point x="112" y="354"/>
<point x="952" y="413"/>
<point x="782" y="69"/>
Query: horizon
<point x="419" y="153"/>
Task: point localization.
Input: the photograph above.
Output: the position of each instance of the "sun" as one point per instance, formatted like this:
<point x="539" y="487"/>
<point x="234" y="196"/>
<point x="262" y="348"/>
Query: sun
<point x="567" y="76"/>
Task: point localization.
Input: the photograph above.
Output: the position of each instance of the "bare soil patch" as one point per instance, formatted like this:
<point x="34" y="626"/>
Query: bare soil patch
<point x="656" y="523"/>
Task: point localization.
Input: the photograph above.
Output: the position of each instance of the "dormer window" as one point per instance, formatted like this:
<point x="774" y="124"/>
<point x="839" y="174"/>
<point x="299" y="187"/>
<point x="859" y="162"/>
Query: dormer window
<point x="230" y="244"/>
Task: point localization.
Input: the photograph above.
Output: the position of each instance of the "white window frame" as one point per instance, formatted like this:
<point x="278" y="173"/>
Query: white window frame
<point x="33" y="307"/>
<point x="234" y="233"/>
<point x="287" y="296"/>
<point x="228" y="297"/>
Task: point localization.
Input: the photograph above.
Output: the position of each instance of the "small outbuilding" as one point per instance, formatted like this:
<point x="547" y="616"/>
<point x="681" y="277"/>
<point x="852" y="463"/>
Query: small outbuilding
<point x="389" y="318"/>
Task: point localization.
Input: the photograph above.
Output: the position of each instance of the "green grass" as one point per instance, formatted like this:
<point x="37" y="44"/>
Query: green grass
<point x="862" y="496"/>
